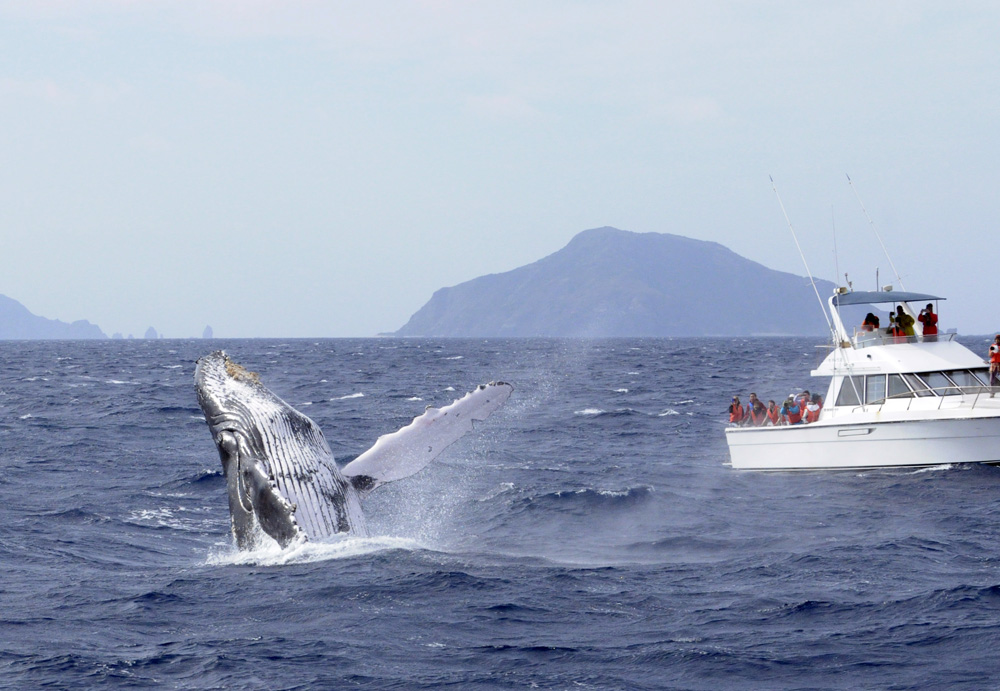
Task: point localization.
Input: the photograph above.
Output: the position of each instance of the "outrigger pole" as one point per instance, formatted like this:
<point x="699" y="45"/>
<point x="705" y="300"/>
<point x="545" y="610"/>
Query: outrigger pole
<point x="875" y="230"/>
<point x="822" y="307"/>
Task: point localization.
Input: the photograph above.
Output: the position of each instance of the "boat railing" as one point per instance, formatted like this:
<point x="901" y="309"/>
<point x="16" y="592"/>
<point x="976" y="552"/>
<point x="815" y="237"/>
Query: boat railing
<point x="864" y="339"/>
<point x="976" y="392"/>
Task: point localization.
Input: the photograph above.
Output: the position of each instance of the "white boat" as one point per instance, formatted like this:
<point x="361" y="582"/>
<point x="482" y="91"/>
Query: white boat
<point x="891" y="402"/>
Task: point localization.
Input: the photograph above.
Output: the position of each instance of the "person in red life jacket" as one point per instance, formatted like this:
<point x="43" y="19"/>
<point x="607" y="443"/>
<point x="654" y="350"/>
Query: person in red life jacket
<point x="813" y="408"/>
<point x="758" y="414"/>
<point x="870" y="323"/>
<point x="994" y="365"/>
<point x="751" y="404"/>
<point x="791" y="412"/>
<point x="929" y="320"/>
<point x="773" y="414"/>
<point x="736" y="412"/>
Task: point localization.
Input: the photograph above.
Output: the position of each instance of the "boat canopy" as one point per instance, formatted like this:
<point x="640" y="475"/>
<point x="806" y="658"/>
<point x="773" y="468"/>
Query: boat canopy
<point x="873" y="297"/>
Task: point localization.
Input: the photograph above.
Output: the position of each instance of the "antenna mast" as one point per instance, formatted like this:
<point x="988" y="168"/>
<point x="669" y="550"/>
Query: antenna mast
<point x="822" y="307"/>
<point x="875" y="230"/>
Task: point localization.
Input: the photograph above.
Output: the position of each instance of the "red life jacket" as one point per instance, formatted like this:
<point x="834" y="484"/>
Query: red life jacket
<point x="758" y="419"/>
<point x="994" y="354"/>
<point x="930" y="323"/>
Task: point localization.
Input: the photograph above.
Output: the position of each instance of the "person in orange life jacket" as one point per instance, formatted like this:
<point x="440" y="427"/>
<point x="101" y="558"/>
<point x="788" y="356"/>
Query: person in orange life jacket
<point x="791" y="412"/>
<point x="750" y="405"/>
<point x="736" y="412"/>
<point x="773" y="414"/>
<point x="994" y="365"/>
<point x="929" y="320"/>
<point x="758" y="414"/>
<point x="895" y="330"/>
<point x="813" y="408"/>
<point x="870" y="323"/>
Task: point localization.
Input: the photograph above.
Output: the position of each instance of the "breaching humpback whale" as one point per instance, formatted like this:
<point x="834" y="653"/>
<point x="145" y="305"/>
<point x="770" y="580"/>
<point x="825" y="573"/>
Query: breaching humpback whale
<point x="280" y="473"/>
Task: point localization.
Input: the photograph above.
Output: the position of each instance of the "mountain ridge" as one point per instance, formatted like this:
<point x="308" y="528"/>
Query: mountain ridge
<point x="18" y="323"/>
<point x="608" y="282"/>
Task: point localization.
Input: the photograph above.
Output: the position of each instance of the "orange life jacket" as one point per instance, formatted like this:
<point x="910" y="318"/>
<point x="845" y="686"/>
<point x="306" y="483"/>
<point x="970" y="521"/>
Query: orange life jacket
<point x="795" y="417"/>
<point x="735" y="413"/>
<point x="994" y="354"/>
<point x="758" y="419"/>
<point x="812" y="412"/>
<point x="774" y="415"/>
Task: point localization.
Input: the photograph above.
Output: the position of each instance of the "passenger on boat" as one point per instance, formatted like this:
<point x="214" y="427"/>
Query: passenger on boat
<point x="895" y="331"/>
<point x="802" y="399"/>
<point x="736" y="412"/>
<point x="758" y="414"/>
<point x="753" y="400"/>
<point x="870" y="323"/>
<point x="773" y="414"/>
<point x="994" y="365"/>
<point x="929" y="320"/>
<point x="791" y="413"/>
<point x="813" y="408"/>
<point x="905" y="321"/>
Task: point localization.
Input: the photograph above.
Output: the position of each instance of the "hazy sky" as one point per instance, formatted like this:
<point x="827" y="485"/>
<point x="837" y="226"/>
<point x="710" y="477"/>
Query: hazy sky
<point x="321" y="168"/>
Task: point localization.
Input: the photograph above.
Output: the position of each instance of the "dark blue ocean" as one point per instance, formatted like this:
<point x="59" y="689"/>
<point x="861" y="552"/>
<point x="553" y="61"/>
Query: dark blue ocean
<point x="589" y="535"/>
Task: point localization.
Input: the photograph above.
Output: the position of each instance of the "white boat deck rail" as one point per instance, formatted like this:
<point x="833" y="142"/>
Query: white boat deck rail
<point x="864" y="339"/>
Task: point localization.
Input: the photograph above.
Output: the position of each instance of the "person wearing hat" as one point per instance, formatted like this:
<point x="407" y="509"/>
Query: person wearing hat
<point x="791" y="413"/>
<point x="994" y="365"/>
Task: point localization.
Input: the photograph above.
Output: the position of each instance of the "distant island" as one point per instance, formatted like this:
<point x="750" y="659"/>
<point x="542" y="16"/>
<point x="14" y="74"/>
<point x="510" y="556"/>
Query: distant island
<point x="608" y="282"/>
<point x="16" y="322"/>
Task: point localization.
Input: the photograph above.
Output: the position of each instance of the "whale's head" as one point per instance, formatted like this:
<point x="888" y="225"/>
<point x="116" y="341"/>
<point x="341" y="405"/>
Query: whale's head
<point x="248" y="423"/>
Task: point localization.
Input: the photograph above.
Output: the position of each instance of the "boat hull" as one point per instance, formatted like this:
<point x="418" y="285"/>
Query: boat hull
<point x="866" y="443"/>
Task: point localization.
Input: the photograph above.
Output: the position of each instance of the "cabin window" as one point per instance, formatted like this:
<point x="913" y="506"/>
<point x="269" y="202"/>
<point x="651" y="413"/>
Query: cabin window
<point x="898" y="387"/>
<point x="918" y="385"/>
<point x="875" y="389"/>
<point x="852" y="390"/>
<point x="942" y="385"/>
<point x="964" y="378"/>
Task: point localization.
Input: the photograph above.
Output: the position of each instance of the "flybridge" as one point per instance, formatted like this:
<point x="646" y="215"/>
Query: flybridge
<point x="844" y="298"/>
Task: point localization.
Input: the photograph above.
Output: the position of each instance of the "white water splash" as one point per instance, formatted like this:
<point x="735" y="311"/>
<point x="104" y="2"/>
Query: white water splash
<point x="307" y="552"/>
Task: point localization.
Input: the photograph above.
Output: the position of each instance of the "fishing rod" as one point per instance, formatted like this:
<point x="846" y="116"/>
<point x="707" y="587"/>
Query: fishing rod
<point x="875" y="230"/>
<point x="822" y="307"/>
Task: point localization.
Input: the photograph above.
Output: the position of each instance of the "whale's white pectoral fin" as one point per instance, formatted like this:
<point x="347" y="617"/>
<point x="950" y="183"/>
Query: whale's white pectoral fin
<point x="403" y="453"/>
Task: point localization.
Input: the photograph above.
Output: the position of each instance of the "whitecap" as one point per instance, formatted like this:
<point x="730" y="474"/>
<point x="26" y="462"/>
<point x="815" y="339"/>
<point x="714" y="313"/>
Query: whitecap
<point x="455" y="357"/>
<point x="621" y="390"/>
<point x="668" y="411"/>
<point x="26" y="417"/>
<point x="933" y="468"/>
<point x="415" y="398"/>
<point x="589" y="411"/>
<point x="306" y="403"/>
<point x="449" y="388"/>
<point x="350" y="395"/>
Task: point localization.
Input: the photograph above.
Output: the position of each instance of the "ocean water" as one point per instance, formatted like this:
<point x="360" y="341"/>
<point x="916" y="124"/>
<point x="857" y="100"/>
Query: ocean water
<point x="589" y="535"/>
